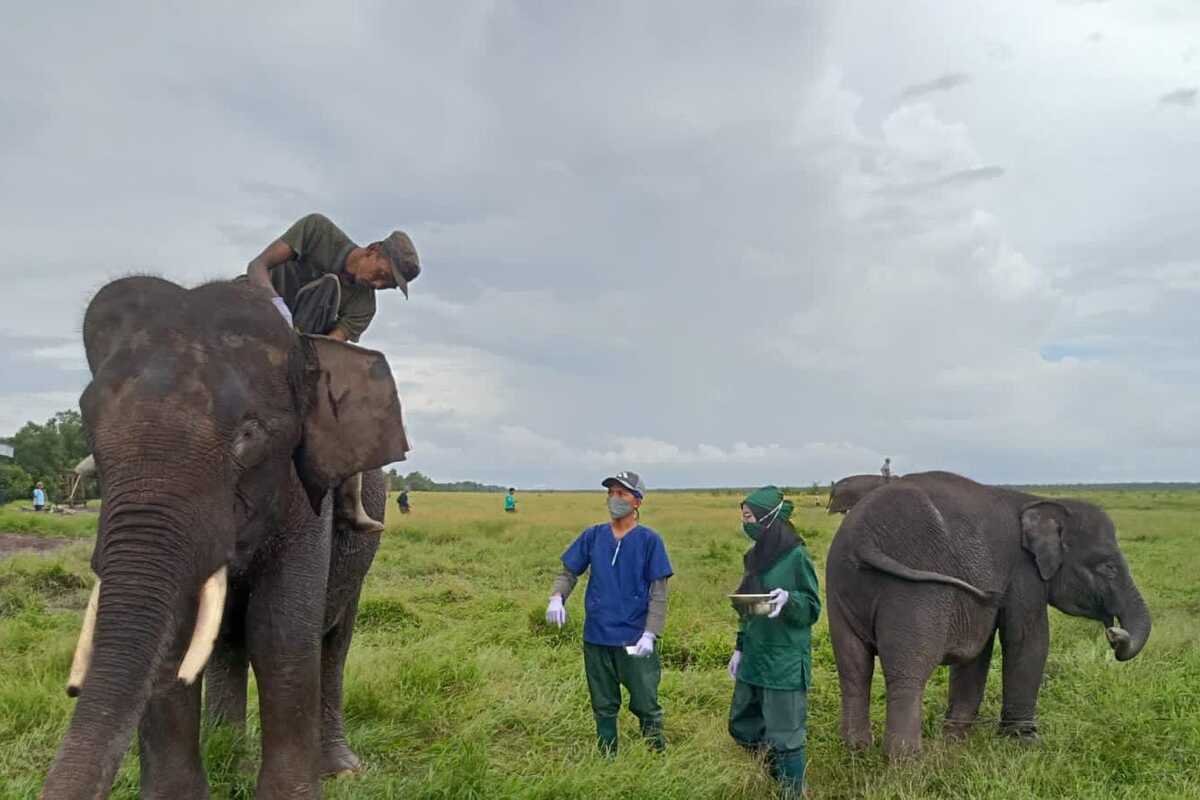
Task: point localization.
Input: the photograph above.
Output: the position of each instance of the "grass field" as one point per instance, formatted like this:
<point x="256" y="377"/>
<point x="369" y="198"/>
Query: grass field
<point x="457" y="689"/>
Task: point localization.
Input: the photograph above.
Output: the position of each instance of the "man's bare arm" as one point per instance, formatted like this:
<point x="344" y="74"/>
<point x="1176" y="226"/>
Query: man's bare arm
<point x="276" y="253"/>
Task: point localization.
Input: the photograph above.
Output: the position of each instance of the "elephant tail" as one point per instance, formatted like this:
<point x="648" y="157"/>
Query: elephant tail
<point x="885" y="563"/>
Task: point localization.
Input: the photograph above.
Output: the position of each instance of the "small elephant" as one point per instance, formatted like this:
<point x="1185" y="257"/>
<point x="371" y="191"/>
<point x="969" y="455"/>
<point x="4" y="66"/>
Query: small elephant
<point x="849" y="490"/>
<point x="927" y="569"/>
<point x="219" y="433"/>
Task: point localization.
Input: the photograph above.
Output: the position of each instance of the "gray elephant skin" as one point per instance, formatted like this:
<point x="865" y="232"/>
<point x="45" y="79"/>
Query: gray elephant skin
<point x="929" y="568"/>
<point x="219" y="433"/>
<point x="845" y="493"/>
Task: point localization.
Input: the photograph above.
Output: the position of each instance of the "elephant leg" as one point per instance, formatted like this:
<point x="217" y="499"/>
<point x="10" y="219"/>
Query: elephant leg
<point x="905" y="696"/>
<point x="1025" y="641"/>
<point x="169" y="744"/>
<point x="855" y="666"/>
<point x="336" y="756"/>
<point x="225" y="680"/>
<point x="967" y="682"/>
<point x="283" y="638"/>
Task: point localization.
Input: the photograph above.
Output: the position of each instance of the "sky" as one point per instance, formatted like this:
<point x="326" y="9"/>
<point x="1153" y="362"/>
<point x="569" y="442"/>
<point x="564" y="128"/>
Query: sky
<point x="716" y="243"/>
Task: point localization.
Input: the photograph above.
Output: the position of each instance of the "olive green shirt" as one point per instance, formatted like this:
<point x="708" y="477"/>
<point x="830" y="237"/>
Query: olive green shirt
<point x="321" y="248"/>
<point x="777" y="653"/>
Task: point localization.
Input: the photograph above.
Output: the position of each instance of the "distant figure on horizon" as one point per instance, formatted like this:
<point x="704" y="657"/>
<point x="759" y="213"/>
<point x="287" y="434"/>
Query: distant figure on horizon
<point x="39" y="497"/>
<point x="510" y="501"/>
<point x="402" y="501"/>
<point x="886" y="469"/>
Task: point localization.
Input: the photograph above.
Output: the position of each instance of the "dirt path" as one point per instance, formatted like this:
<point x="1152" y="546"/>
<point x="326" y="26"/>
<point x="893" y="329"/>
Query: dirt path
<point x="21" y="543"/>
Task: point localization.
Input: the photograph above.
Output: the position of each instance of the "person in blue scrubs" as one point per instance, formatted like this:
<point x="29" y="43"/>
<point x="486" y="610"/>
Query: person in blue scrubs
<point x="626" y="608"/>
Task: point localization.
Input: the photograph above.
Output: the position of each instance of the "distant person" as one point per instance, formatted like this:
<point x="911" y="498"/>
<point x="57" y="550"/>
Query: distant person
<point x="772" y="663"/>
<point x="323" y="283"/>
<point x="886" y="469"/>
<point x="626" y="608"/>
<point x="402" y="501"/>
<point x="39" y="497"/>
<point x="510" y="501"/>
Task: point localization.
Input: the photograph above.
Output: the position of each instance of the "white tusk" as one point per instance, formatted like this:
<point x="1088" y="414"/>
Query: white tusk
<point x="208" y="625"/>
<point x="83" y="650"/>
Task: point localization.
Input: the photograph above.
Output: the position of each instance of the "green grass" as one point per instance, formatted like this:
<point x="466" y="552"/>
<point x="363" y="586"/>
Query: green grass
<point x="70" y="526"/>
<point x="457" y="689"/>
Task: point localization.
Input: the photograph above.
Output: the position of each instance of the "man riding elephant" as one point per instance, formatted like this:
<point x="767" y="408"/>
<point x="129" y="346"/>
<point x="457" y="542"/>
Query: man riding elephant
<point x="323" y="283"/>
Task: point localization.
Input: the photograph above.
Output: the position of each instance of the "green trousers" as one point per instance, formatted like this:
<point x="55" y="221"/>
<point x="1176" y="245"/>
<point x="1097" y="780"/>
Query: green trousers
<point x="776" y="720"/>
<point x="610" y="668"/>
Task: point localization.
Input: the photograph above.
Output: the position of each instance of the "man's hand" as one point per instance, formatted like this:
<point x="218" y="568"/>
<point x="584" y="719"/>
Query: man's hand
<point x="556" y="614"/>
<point x="644" y="646"/>
<point x="259" y="269"/>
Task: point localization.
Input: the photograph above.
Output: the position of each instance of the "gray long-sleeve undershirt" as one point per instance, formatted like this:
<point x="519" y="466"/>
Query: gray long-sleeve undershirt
<point x="656" y="617"/>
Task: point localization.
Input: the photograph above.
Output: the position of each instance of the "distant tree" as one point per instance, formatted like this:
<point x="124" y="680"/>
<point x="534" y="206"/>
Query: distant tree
<point x="15" y="483"/>
<point x="46" y="450"/>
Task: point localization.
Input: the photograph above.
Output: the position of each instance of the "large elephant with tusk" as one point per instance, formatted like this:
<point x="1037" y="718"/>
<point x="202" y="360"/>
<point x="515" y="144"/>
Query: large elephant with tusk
<point x="929" y="569"/>
<point x="219" y="434"/>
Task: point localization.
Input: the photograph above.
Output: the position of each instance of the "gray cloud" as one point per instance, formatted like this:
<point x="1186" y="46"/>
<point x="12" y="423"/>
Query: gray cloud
<point x="724" y="257"/>
<point x="1185" y="97"/>
<point x="942" y="83"/>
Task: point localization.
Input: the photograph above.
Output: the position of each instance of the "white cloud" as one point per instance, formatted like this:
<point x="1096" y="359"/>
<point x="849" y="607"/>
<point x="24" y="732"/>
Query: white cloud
<point x="736" y="253"/>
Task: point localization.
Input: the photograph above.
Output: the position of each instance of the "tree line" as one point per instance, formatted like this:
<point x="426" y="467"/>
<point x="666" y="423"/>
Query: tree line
<point x="43" y="452"/>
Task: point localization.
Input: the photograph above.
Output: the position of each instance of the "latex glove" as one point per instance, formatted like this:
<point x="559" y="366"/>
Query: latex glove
<point x="644" y="646"/>
<point x="556" y="614"/>
<point x="735" y="661"/>
<point x="282" y="308"/>
<point x="779" y="599"/>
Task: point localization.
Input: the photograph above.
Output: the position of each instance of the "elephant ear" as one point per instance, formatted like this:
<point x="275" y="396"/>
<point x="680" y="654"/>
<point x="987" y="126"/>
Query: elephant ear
<point x="1042" y="524"/>
<point x="352" y="417"/>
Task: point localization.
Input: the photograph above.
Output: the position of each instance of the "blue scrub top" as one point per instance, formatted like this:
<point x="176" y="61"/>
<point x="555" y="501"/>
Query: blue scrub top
<point x="618" y="592"/>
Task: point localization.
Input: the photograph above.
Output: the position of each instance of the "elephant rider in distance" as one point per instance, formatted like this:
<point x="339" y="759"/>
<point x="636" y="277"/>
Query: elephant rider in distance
<point x="323" y="283"/>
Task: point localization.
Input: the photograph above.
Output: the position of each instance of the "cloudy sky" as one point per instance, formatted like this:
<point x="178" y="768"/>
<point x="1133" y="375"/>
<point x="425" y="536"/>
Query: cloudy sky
<point x="718" y="243"/>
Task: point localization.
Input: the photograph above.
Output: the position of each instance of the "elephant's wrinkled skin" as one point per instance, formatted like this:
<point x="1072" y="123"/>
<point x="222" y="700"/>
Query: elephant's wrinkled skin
<point x="926" y="569"/>
<point x="849" y="490"/>
<point x="218" y="433"/>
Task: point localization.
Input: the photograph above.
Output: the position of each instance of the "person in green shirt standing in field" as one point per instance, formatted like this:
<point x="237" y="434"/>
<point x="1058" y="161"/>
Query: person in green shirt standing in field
<point x="323" y="283"/>
<point x="510" y="501"/>
<point x="772" y="664"/>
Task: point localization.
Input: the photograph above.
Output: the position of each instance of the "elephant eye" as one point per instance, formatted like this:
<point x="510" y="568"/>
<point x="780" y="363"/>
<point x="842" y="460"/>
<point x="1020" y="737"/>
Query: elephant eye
<point x="1107" y="569"/>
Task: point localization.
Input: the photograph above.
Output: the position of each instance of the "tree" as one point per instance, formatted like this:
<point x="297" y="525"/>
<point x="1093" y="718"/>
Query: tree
<point x="15" y="483"/>
<point x="45" y="451"/>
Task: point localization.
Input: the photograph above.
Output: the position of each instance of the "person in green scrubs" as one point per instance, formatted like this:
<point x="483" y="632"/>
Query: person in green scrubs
<point x="772" y="664"/>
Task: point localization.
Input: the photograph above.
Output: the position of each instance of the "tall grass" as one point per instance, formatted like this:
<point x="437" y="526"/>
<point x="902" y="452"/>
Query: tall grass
<point x="457" y="689"/>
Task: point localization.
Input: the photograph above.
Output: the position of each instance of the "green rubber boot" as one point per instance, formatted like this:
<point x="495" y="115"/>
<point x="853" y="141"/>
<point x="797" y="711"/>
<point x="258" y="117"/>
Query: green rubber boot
<point x="606" y="735"/>
<point x="652" y="733"/>
<point x="789" y="771"/>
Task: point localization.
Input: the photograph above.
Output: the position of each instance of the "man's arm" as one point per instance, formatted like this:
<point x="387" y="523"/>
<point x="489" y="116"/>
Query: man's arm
<point x="276" y="253"/>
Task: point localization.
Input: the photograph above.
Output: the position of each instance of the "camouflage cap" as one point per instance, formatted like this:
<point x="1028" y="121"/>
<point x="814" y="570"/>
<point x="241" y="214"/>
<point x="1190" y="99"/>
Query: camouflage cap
<point x="403" y="255"/>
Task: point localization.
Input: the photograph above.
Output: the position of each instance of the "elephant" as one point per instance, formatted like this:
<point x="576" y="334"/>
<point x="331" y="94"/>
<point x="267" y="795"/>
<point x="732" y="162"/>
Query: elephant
<point x="849" y="490"/>
<point x="219" y="433"/>
<point x="927" y="569"/>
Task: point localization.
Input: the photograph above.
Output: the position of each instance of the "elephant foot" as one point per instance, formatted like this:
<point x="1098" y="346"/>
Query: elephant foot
<point x="1023" y="732"/>
<point x="858" y="740"/>
<point x="957" y="729"/>
<point x="337" y="760"/>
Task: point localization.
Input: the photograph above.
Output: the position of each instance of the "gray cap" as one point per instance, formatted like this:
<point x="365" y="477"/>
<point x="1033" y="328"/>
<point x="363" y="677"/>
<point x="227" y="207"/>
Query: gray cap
<point x="406" y="266"/>
<point x="630" y="480"/>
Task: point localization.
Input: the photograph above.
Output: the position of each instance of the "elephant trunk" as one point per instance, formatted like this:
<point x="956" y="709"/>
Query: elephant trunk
<point x="135" y="624"/>
<point x="1129" y="639"/>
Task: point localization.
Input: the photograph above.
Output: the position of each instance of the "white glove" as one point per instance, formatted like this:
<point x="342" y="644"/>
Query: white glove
<point x="282" y="308"/>
<point x="644" y="646"/>
<point x="735" y="661"/>
<point x="556" y="614"/>
<point x="779" y="599"/>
